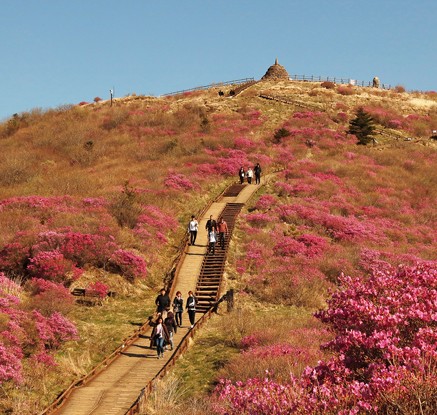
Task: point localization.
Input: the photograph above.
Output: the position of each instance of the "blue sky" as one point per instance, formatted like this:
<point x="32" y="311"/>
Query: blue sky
<point x="57" y="52"/>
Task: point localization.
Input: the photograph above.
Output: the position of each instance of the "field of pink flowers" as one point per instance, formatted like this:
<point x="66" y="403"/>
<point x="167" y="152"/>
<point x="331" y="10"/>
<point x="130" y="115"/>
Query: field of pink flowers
<point x="124" y="221"/>
<point x="343" y="229"/>
<point x="349" y="232"/>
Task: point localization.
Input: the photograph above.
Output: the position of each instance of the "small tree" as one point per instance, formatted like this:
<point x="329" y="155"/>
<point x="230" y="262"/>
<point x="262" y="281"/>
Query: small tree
<point x="362" y="127"/>
<point x="280" y="134"/>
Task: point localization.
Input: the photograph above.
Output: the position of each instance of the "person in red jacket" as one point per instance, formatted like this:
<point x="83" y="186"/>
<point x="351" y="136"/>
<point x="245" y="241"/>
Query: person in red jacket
<point x="222" y="228"/>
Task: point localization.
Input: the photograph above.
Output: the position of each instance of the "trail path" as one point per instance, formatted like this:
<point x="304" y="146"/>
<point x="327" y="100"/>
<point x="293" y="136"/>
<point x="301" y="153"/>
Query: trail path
<point x="113" y="391"/>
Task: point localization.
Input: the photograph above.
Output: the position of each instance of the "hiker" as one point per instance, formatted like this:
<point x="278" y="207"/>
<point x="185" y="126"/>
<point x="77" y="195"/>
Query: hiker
<point x="170" y="323"/>
<point x="249" y="175"/>
<point x="241" y="175"/>
<point x="163" y="303"/>
<point x="257" y="170"/>
<point x="222" y="231"/>
<point x="193" y="227"/>
<point x="178" y="308"/>
<point x="159" y="336"/>
<point x="191" y="307"/>
<point x="212" y="239"/>
<point x="211" y="224"/>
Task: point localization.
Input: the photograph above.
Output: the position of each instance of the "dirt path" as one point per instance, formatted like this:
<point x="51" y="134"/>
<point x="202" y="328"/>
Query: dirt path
<point x="114" y="390"/>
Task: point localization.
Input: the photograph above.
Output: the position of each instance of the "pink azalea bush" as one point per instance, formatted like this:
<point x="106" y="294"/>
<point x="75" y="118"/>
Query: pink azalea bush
<point x="128" y="264"/>
<point x="98" y="288"/>
<point x="27" y="333"/>
<point x="178" y="181"/>
<point x="48" y="297"/>
<point x="384" y="326"/>
<point x="50" y="265"/>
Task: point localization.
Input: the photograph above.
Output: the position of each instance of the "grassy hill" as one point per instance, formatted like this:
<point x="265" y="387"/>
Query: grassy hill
<point x="99" y="196"/>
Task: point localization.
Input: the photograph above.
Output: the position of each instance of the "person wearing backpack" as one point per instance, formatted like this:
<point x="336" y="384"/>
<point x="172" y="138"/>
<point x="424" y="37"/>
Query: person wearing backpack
<point x="170" y="323"/>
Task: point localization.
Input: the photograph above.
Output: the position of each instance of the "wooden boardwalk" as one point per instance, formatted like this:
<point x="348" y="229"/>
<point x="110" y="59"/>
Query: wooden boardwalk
<point x="115" y="389"/>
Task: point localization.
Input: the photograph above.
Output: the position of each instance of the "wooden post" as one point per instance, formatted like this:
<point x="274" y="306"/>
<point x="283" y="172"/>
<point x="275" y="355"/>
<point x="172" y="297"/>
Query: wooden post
<point x="230" y="299"/>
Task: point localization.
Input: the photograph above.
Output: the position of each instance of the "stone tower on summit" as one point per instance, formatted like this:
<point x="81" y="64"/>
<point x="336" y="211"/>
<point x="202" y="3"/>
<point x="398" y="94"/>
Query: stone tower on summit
<point x="276" y="72"/>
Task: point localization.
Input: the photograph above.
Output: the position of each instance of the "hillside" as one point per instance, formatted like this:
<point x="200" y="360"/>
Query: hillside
<point x="98" y="196"/>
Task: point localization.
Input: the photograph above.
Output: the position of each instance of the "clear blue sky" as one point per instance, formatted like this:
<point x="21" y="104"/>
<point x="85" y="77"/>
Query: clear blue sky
<point x="56" y="52"/>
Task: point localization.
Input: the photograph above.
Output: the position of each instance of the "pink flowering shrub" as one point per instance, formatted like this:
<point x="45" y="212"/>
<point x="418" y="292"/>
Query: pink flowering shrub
<point x="27" y="333"/>
<point x="384" y="327"/>
<point x="98" y="288"/>
<point x="259" y="219"/>
<point x="152" y="225"/>
<point x="10" y="364"/>
<point x="255" y="397"/>
<point x="54" y="330"/>
<point x="128" y="264"/>
<point x="265" y="202"/>
<point x="13" y="258"/>
<point x="178" y="181"/>
<point x="48" y="297"/>
<point x="82" y="248"/>
<point x="243" y="143"/>
<point x="50" y="265"/>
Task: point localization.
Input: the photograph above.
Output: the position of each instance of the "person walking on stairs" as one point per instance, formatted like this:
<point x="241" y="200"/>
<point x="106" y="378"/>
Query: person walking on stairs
<point x="191" y="307"/>
<point x="193" y="227"/>
<point x="241" y="174"/>
<point x="222" y="232"/>
<point x="249" y="175"/>
<point x="160" y="335"/>
<point x="178" y="308"/>
<point x="162" y="303"/>
<point x="257" y="170"/>
<point x="211" y="225"/>
<point x="170" y="323"/>
<point x="212" y="239"/>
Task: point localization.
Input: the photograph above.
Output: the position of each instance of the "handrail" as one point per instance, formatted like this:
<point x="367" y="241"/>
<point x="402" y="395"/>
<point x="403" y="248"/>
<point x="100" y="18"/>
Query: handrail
<point x="136" y="407"/>
<point x="63" y="396"/>
<point x="177" y="262"/>
<point x="213" y="85"/>
<point x="350" y="81"/>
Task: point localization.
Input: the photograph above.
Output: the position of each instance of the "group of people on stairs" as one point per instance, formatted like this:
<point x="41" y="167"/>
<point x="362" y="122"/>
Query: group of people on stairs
<point x="217" y="232"/>
<point x="166" y="323"/>
<point x="256" y="171"/>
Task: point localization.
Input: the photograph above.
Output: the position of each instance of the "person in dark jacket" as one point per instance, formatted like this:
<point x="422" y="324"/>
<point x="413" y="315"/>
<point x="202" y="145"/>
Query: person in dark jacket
<point x="170" y="323"/>
<point x="178" y="308"/>
<point x="241" y="175"/>
<point x="162" y="303"/>
<point x="211" y="225"/>
<point x="191" y="307"/>
<point x="257" y="171"/>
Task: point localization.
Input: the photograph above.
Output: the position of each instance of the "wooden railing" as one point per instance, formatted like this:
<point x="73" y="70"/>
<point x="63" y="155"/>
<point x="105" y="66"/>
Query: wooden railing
<point x="336" y="80"/>
<point x="137" y="406"/>
<point x="214" y="85"/>
<point x="170" y="275"/>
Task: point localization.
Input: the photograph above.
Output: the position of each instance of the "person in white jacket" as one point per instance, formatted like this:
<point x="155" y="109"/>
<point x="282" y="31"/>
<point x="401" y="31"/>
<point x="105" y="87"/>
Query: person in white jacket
<point x="249" y="175"/>
<point x="193" y="227"/>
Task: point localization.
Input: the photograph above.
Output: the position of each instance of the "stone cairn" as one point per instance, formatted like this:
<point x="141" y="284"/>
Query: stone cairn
<point x="276" y="72"/>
